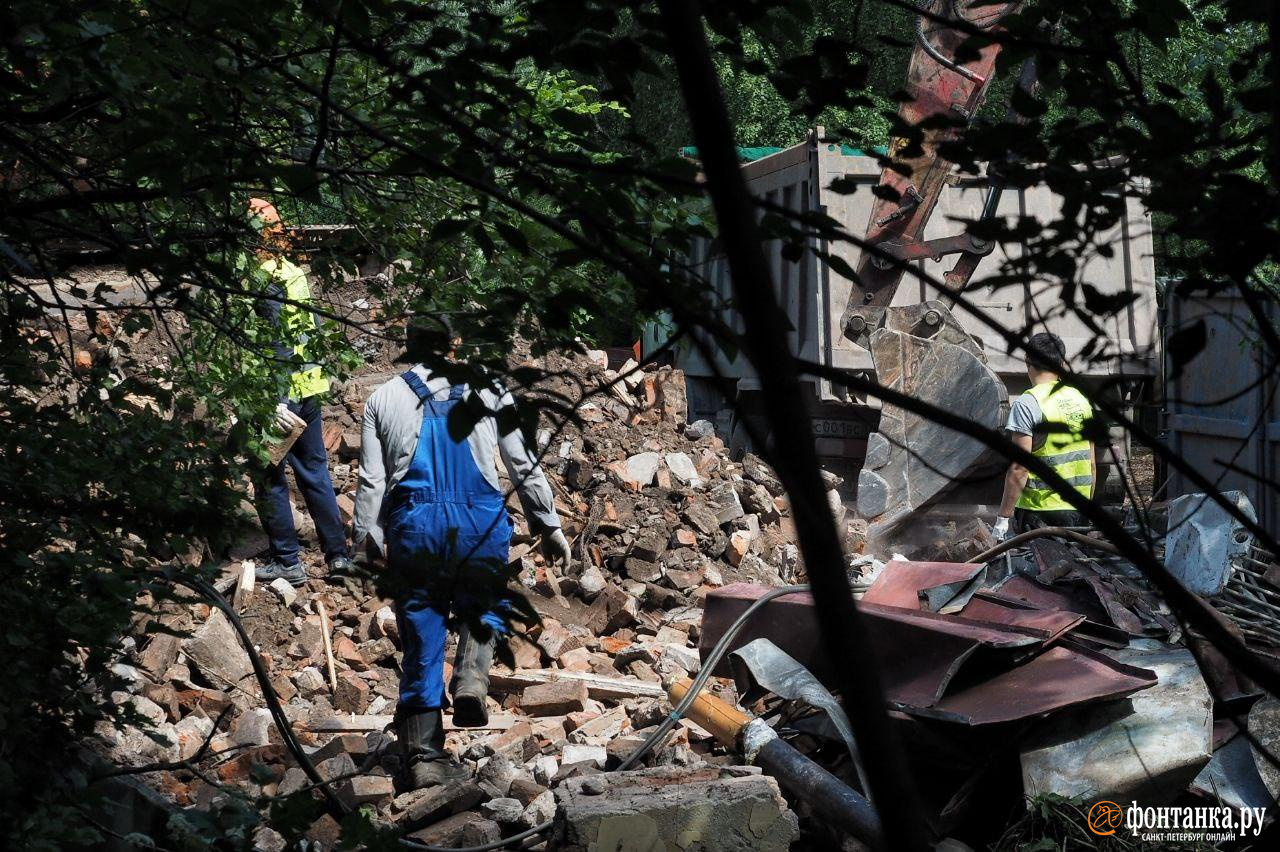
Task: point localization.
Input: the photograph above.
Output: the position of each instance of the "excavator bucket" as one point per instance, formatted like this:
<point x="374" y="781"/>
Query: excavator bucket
<point x="921" y="351"/>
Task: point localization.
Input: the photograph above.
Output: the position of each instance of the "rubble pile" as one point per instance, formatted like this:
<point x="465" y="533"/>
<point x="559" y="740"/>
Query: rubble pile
<point x="658" y="515"/>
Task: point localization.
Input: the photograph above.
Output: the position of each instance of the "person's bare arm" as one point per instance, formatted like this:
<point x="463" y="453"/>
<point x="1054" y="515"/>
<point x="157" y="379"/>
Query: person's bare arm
<point x="1016" y="479"/>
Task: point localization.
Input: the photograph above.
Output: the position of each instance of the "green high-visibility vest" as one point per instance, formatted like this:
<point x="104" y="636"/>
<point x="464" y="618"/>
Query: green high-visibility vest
<point x="1066" y="452"/>
<point x="298" y="324"/>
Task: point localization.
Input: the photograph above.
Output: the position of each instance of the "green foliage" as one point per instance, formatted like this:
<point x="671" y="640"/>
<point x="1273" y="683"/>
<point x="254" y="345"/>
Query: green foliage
<point x="516" y="160"/>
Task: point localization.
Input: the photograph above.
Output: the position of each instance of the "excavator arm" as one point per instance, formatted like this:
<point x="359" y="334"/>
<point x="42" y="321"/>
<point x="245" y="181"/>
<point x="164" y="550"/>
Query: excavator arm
<point x="943" y="96"/>
<point x="920" y="349"/>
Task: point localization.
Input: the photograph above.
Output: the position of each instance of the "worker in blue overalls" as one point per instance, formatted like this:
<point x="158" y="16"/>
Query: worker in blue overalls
<point x="433" y="506"/>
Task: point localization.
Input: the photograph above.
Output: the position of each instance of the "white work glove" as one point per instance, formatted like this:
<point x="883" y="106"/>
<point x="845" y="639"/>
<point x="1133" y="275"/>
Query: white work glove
<point x="286" y="420"/>
<point x="555" y="547"/>
<point x="1000" y="529"/>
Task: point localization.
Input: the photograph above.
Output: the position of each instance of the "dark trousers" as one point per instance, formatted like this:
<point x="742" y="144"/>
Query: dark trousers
<point x="310" y="463"/>
<point x="1025" y="519"/>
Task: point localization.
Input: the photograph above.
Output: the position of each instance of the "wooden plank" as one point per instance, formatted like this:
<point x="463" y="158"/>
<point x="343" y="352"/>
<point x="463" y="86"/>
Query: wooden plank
<point x="244" y="587"/>
<point x="598" y="686"/>
<point x="353" y="723"/>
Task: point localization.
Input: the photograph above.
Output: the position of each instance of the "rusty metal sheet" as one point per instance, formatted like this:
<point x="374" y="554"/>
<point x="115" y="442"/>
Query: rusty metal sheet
<point x="1054" y="559"/>
<point x="1119" y="614"/>
<point x="1020" y="589"/>
<point x="1100" y="633"/>
<point x="1226" y="683"/>
<point x="941" y="666"/>
<point x="1054" y="624"/>
<point x="1059" y="678"/>
<point x="1147" y="748"/>
<point x="788" y="621"/>
<point x="920" y="653"/>
<point x="918" y="662"/>
<point x="902" y="583"/>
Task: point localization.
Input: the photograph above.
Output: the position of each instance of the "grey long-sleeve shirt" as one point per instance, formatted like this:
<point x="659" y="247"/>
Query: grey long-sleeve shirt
<point x="389" y="438"/>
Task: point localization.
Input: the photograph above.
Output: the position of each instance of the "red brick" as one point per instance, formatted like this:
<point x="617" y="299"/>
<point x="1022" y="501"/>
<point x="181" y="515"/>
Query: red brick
<point x="344" y="649"/>
<point x="555" y="698"/>
<point x="352" y="695"/>
<point x="556" y="640"/>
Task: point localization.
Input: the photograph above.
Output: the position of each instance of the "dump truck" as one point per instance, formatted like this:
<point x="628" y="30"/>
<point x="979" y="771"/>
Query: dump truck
<point x="879" y="322"/>
<point x="936" y="352"/>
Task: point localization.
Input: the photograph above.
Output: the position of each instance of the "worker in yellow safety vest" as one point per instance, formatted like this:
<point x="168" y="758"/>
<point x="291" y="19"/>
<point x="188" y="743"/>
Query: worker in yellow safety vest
<point x="283" y="303"/>
<point x="1049" y="422"/>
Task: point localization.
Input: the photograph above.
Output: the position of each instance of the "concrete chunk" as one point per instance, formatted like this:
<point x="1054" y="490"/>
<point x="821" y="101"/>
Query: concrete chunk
<point x="539" y="810"/>
<point x="503" y="810"/>
<point x="420" y="806"/>
<point x="592" y="754"/>
<point x="215" y="648"/>
<point x="465" y="829"/>
<point x="283" y="590"/>
<point x="364" y="789"/>
<point x="673" y="808"/>
<point x="702" y="519"/>
<point x="160" y="653"/>
<point x="683" y="469"/>
<point x="641" y="469"/>
<point x="726" y="505"/>
<point x="309" y="682"/>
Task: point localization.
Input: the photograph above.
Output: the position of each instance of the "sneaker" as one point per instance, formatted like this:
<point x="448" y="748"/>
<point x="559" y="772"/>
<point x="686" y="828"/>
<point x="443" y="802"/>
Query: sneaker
<point x="274" y="570"/>
<point x="341" y="565"/>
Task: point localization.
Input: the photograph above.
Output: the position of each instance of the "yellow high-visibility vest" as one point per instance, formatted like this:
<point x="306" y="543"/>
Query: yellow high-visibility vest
<point x="298" y="324"/>
<point x="1066" y="452"/>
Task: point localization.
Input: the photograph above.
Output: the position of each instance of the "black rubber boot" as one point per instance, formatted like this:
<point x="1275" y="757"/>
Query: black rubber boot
<point x="427" y="764"/>
<point x="471" y="679"/>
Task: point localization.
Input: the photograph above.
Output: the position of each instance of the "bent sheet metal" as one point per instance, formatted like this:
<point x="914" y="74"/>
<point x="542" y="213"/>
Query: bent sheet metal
<point x="941" y="666"/>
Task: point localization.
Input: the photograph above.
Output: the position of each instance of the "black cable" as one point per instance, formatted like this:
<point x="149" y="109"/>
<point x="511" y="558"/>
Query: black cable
<point x="1038" y="532"/>
<point x="268" y="691"/>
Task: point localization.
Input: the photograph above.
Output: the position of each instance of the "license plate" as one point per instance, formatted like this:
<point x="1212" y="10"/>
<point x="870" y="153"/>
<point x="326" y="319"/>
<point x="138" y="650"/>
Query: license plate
<point x="829" y="428"/>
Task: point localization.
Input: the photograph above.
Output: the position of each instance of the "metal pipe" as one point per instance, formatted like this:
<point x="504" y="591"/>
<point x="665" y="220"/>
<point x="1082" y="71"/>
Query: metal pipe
<point x="923" y="38"/>
<point x="829" y="797"/>
<point x="832" y="799"/>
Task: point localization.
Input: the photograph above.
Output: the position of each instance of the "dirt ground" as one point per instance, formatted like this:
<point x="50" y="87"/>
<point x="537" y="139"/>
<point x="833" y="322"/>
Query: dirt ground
<point x="1142" y="468"/>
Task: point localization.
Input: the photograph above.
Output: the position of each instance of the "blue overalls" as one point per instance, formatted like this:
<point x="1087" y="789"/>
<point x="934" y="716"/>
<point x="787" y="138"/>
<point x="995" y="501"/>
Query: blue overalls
<point x="448" y="540"/>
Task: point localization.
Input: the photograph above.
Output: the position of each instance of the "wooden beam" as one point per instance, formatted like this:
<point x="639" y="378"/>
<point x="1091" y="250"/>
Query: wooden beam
<point x="598" y="686"/>
<point x="347" y="723"/>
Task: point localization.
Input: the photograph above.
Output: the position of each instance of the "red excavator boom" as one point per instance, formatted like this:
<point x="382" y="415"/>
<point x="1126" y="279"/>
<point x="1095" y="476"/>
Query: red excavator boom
<point x="921" y="350"/>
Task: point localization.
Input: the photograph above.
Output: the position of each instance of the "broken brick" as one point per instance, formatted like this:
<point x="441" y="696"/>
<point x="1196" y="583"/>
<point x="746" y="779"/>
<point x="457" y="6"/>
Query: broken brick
<point x="344" y="649"/>
<point x="556" y="640"/>
<point x="352" y="695"/>
<point x="555" y="698"/>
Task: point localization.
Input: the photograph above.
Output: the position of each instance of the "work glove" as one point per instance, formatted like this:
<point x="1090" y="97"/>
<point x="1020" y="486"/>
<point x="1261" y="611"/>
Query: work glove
<point x="286" y="420"/>
<point x="1000" y="529"/>
<point x="555" y="547"/>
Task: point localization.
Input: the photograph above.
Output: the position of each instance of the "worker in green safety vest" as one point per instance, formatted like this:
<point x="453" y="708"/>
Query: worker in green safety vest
<point x="284" y="304"/>
<point x="1049" y="422"/>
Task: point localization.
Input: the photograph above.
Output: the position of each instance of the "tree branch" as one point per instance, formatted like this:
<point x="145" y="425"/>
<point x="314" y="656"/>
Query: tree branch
<point x="844" y="633"/>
